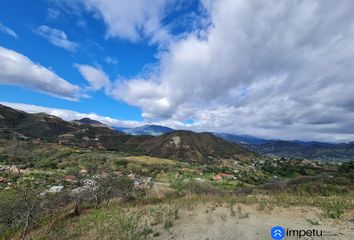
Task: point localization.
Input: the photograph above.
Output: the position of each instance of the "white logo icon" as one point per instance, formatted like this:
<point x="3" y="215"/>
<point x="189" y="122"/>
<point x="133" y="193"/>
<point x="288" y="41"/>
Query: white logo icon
<point x="277" y="233"/>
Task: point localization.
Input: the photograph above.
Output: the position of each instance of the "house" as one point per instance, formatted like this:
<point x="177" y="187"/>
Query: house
<point x="217" y="178"/>
<point x="221" y="176"/>
<point x="89" y="182"/>
<point x="131" y="176"/>
<point x="119" y="174"/>
<point x="143" y="183"/>
<point x="37" y="141"/>
<point x="70" y="178"/>
<point x="21" y="136"/>
<point x="138" y="182"/>
<point x="83" y="171"/>
<point x="227" y="176"/>
<point x="79" y="189"/>
<point x="84" y="188"/>
<point x="56" y="189"/>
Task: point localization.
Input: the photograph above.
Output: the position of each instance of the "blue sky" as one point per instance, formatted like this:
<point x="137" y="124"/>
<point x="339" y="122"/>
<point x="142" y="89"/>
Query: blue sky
<point x="118" y="58"/>
<point x="273" y="69"/>
<point x="128" y="58"/>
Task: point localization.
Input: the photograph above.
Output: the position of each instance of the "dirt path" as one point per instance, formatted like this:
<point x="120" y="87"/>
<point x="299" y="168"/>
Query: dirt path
<point x="247" y="222"/>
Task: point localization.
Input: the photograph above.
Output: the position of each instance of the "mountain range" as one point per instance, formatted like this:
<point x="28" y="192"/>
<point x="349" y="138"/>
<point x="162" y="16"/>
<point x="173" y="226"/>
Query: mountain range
<point x="162" y="141"/>
<point x="321" y="151"/>
<point x="180" y="145"/>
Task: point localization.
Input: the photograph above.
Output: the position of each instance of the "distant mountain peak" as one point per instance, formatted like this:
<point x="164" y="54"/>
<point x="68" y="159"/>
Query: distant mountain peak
<point x="153" y="130"/>
<point x="90" y="121"/>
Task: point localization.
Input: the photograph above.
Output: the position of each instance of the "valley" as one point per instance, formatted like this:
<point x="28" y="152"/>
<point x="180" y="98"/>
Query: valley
<point x="176" y="120"/>
<point x="56" y="174"/>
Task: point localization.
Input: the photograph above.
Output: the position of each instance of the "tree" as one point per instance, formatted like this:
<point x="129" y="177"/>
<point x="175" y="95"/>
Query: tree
<point x="105" y="189"/>
<point x="18" y="153"/>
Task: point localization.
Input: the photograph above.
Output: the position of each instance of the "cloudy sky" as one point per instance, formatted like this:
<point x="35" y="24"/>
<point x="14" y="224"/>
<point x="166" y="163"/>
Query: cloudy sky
<point x="281" y="69"/>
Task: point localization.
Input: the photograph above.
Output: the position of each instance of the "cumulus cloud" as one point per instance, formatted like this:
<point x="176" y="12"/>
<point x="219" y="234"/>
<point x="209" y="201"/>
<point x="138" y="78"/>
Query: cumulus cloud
<point x="140" y="92"/>
<point x="17" y="69"/>
<point x="279" y="69"/>
<point x="96" y="78"/>
<point x="132" y="19"/>
<point x="56" y="37"/>
<point x="7" y="30"/>
<point x="69" y="115"/>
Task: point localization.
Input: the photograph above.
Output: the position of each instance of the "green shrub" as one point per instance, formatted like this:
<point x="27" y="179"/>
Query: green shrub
<point x="201" y="188"/>
<point x="334" y="209"/>
<point x="3" y="158"/>
<point x="46" y="164"/>
<point x="177" y="184"/>
<point x="121" y="163"/>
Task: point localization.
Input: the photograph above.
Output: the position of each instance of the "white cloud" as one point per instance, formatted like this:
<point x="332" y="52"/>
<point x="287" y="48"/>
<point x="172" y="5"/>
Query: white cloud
<point x="17" y="69"/>
<point x="56" y="37"/>
<point x="111" y="60"/>
<point x="132" y="19"/>
<point x="53" y="13"/>
<point x="279" y="69"/>
<point x="96" y="78"/>
<point x="140" y="93"/>
<point x="7" y="30"/>
<point x="69" y="115"/>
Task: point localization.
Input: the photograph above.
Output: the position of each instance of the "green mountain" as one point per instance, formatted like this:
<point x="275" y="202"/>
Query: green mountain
<point x="193" y="147"/>
<point x="50" y="128"/>
<point x="180" y="145"/>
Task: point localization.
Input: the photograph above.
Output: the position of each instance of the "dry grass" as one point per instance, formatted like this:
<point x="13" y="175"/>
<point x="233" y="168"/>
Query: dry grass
<point x="149" y="161"/>
<point x="153" y="216"/>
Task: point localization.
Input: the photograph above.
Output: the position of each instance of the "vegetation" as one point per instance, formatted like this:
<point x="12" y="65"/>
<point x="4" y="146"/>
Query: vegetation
<point x="111" y="189"/>
<point x="101" y="195"/>
<point x="324" y="152"/>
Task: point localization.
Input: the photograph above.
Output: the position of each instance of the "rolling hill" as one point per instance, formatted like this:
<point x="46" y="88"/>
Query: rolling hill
<point x="50" y="128"/>
<point x="39" y="125"/>
<point x="193" y="147"/>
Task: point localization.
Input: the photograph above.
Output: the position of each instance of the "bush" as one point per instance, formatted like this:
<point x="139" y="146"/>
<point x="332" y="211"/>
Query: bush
<point x="3" y="158"/>
<point x="46" y="164"/>
<point x="12" y="212"/>
<point x="346" y="167"/>
<point x="21" y="210"/>
<point x="72" y="170"/>
<point x="202" y="188"/>
<point x="121" y="163"/>
<point x="334" y="209"/>
<point x="109" y="188"/>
